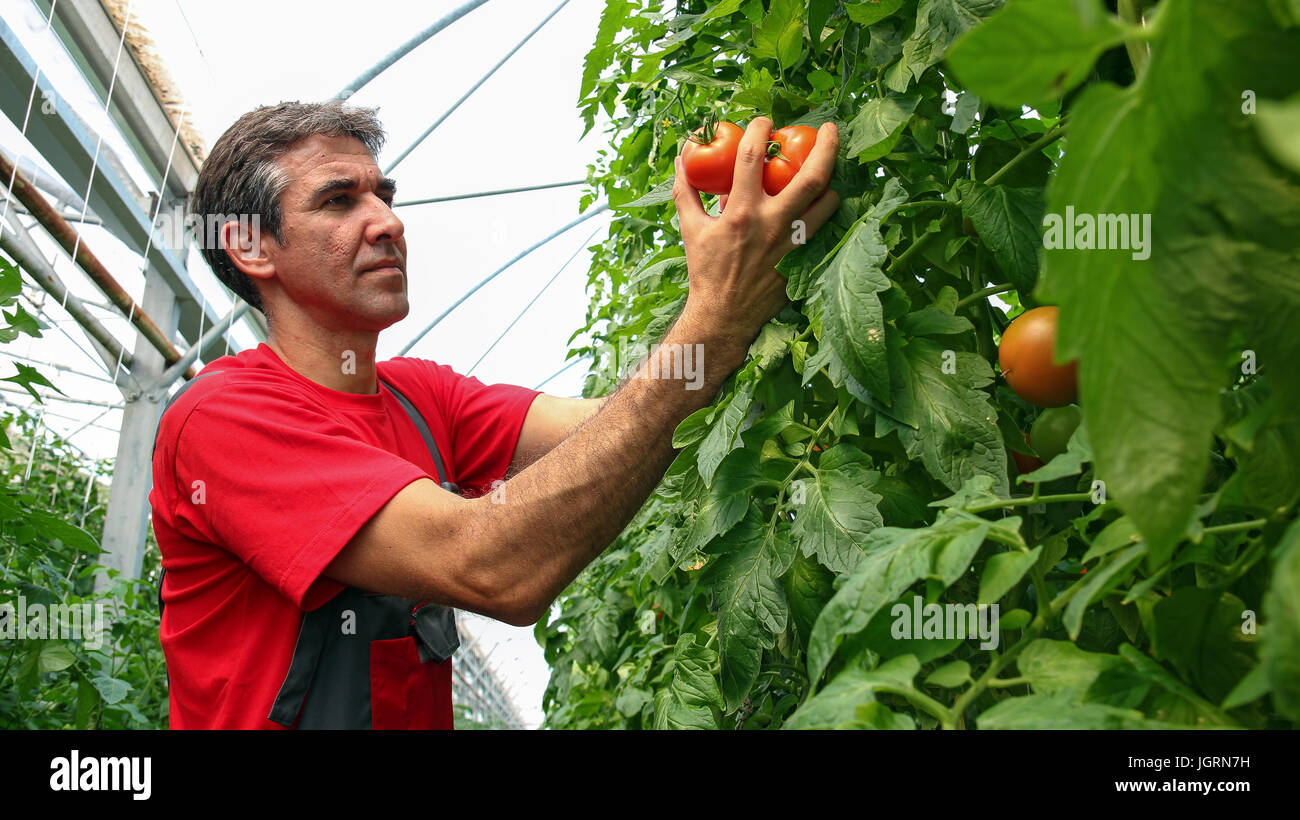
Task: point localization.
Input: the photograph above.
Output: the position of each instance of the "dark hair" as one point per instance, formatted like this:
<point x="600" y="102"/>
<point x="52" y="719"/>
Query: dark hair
<point x="241" y="175"/>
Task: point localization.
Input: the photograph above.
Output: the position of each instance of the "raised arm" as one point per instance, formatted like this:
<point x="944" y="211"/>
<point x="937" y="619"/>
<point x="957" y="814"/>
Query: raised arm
<point x="508" y="555"/>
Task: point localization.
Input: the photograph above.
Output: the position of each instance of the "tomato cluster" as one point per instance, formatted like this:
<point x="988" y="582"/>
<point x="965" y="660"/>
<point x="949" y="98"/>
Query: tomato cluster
<point x="709" y="157"/>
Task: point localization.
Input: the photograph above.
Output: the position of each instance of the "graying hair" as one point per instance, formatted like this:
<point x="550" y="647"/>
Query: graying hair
<point x="242" y="177"/>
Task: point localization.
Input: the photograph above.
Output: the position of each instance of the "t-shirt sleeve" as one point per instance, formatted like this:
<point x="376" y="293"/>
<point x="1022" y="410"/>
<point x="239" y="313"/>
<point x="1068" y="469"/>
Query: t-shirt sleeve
<point x="280" y="484"/>
<point x="484" y="422"/>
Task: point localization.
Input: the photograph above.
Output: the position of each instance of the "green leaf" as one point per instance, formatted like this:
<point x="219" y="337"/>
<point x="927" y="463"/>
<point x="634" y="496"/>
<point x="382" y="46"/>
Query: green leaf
<point x="1278" y="124"/>
<point x="895" y="559"/>
<point x="725" y="434"/>
<point x="1061" y="710"/>
<point x="950" y="675"/>
<point x="836" y="705"/>
<point x="1009" y="222"/>
<point x="1199" y="632"/>
<point x="951" y="426"/>
<point x="658" y="195"/>
<point x="870" y="12"/>
<point x="112" y="690"/>
<point x="691" y="695"/>
<point x="808" y="586"/>
<point x="55" y="657"/>
<point x="693" y="428"/>
<point x="1120" y="533"/>
<point x="1059" y="666"/>
<point x="752" y="608"/>
<point x="878" y="126"/>
<point x="780" y="37"/>
<point x="1152" y="334"/>
<point x="1280" y="642"/>
<point x="1032" y="52"/>
<point x="930" y="321"/>
<point x="839" y="509"/>
<point x="938" y="24"/>
<point x="726" y="501"/>
<point x="854" y="320"/>
<point x="1110" y="572"/>
<point x="1003" y="571"/>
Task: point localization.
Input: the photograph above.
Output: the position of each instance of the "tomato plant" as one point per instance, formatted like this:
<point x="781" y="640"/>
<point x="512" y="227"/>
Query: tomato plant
<point x="1026" y="356"/>
<point x="859" y="458"/>
<point x="709" y="157"/>
<point x="1052" y="430"/>
<point x="788" y="150"/>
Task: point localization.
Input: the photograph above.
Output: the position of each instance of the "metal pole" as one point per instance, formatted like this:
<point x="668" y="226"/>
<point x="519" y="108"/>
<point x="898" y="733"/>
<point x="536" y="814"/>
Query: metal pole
<point x="474" y="88"/>
<point x="490" y="193"/>
<point x="67" y="236"/>
<point x="604" y="206"/>
<point x="159" y="388"/>
<point x="405" y="48"/>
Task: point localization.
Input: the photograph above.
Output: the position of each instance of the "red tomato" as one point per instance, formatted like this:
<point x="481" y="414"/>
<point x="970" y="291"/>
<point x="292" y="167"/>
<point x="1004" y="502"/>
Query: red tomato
<point x="1026" y="358"/>
<point x="796" y="143"/>
<point x="709" y="166"/>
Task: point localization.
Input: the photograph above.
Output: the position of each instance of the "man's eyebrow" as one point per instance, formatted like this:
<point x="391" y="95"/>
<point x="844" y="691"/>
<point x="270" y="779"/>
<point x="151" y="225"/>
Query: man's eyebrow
<point x="387" y="185"/>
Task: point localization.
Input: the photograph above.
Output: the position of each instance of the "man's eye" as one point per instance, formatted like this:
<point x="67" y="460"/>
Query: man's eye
<point x="337" y="200"/>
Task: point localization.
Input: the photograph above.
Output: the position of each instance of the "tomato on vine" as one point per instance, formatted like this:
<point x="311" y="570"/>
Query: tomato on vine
<point x="1052" y="430"/>
<point x="786" y="153"/>
<point x="1026" y="356"/>
<point x="709" y="157"/>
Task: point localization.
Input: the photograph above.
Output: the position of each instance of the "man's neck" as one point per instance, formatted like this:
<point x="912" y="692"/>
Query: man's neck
<point x="342" y="362"/>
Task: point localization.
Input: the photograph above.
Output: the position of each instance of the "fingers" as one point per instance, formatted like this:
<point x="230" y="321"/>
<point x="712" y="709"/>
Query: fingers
<point x="813" y="218"/>
<point x="747" y="183"/>
<point x="812" y="179"/>
<point x="687" y="199"/>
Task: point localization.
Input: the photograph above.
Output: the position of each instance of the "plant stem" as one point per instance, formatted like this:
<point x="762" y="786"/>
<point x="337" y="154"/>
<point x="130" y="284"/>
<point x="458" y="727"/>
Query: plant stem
<point x="1254" y="523"/>
<point x="982" y="292"/>
<point x="1032" y="499"/>
<point x="1038" y="145"/>
<point x="1001" y="682"/>
<point x="921" y="700"/>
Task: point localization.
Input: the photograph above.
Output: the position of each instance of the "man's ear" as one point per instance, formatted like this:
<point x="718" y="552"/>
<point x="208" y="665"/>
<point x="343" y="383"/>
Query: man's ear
<point x="247" y="246"/>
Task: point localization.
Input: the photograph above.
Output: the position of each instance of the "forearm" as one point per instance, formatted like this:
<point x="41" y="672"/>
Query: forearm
<point x="537" y="532"/>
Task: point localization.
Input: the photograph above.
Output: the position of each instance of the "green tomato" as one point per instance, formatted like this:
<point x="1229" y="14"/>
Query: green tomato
<point x="1052" y="430"/>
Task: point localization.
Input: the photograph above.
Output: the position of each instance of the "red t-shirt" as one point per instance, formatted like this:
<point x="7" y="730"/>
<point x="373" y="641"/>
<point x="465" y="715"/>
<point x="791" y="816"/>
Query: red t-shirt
<point x="261" y="477"/>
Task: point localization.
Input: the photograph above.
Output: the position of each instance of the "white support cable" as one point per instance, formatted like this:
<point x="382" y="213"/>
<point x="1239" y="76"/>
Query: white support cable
<point x="99" y="144"/>
<point x="549" y="282"/>
<point x="31" y="98"/>
<point x="560" y="372"/>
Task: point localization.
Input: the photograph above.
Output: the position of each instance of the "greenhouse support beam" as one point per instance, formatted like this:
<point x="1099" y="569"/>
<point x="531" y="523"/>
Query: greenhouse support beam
<point x="67" y="237"/>
<point x="602" y="207"/>
<point x="498" y="192"/>
<point x="16" y="242"/>
<point x="474" y="88"/>
<point x="157" y="390"/>
<point x="407" y="47"/>
<point x="126" y="519"/>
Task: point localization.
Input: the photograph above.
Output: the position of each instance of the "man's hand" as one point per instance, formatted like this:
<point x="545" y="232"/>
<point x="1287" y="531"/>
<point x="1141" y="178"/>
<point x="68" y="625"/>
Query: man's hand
<point x="731" y="259"/>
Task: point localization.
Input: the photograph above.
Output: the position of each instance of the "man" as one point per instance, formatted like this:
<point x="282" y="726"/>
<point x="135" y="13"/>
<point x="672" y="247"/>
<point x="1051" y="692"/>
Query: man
<point x="310" y="551"/>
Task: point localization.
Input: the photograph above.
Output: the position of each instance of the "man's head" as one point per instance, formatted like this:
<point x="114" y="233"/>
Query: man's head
<point x="306" y="173"/>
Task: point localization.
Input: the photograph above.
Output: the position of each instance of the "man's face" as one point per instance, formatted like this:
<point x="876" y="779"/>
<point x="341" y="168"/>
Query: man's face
<point x="343" y="260"/>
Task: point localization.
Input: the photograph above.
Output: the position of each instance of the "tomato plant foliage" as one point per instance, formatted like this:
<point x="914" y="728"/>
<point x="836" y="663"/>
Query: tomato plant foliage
<point x="854" y="476"/>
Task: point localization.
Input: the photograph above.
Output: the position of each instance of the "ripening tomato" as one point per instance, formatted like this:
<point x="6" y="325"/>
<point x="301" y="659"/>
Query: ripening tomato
<point x="1026" y="358"/>
<point x="1052" y="430"/>
<point x="709" y="164"/>
<point x="796" y="143"/>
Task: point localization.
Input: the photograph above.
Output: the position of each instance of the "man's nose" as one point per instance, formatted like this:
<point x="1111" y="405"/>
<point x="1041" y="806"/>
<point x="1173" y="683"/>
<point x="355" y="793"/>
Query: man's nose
<point x="384" y="224"/>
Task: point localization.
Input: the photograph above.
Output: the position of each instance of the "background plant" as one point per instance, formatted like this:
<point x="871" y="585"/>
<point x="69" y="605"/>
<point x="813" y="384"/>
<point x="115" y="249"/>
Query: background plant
<point x="51" y="501"/>
<point x="860" y="456"/>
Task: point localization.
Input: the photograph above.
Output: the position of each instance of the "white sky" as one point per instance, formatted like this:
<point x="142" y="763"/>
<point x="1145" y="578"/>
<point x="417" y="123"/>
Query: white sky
<point x="521" y="128"/>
